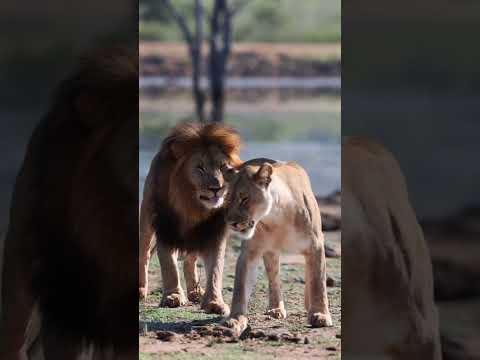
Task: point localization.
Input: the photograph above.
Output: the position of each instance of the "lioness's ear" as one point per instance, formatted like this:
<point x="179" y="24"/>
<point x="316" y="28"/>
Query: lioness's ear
<point x="229" y="174"/>
<point x="264" y="175"/>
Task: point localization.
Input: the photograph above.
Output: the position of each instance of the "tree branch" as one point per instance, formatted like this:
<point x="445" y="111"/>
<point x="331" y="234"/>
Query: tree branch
<point x="181" y="22"/>
<point x="237" y="7"/>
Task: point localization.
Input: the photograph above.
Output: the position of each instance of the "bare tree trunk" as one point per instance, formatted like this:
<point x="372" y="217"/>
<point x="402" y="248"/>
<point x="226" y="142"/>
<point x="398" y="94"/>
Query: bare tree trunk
<point x="194" y="44"/>
<point x="196" y="55"/>
<point x="220" y="44"/>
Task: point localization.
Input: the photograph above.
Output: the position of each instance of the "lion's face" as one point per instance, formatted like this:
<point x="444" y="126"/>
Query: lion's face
<point x="250" y="199"/>
<point x="205" y="172"/>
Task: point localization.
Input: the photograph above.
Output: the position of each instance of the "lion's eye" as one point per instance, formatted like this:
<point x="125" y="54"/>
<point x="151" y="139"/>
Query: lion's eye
<point x="244" y="200"/>
<point x="201" y="168"/>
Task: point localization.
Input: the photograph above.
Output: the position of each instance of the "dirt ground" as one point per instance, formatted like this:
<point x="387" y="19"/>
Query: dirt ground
<point x="189" y="333"/>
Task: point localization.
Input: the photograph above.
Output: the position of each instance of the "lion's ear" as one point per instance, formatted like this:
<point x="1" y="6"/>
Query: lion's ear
<point x="263" y="177"/>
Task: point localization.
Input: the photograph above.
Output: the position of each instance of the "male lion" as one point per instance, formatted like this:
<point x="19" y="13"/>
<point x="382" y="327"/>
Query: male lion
<point x="388" y="310"/>
<point x="182" y="211"/>
<point x="272" y="207"/>
<point x="69" y="281"/>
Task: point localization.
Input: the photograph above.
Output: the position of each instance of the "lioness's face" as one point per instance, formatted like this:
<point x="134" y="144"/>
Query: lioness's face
<point x="249" y="200"/>
<point x="205" y="172"/>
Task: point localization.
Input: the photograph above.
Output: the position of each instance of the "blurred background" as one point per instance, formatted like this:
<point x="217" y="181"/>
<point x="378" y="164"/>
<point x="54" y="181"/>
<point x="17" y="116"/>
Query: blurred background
<point x="412" y="82"/>
<point x="40" y="44"/>
<point x="270" y="68"/>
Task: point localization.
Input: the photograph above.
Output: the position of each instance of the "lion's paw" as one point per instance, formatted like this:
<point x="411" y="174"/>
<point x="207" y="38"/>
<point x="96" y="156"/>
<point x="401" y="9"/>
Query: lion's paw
<point x="173" y="300"/>
<point x="320" y="320"/>
<point x="277" y="313"/>
<point x="216" y="307"/>
<point x="195" y="295"/>
<point x="238" y="324"/>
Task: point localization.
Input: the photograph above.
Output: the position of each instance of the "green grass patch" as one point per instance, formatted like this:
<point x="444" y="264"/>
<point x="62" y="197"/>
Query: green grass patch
<point x="259" y="126"/>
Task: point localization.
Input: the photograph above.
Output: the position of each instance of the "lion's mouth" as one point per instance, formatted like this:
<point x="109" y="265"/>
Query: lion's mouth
<point x="210" y="202"/>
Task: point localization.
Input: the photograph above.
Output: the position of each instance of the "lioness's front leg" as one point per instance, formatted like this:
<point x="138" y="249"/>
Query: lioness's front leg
<point x="212" y="301"/>
<point x="173" y="295"/>
<point x="276" y="307"/>
<point x="315" y="267"/>
<point x="245" y="278"/>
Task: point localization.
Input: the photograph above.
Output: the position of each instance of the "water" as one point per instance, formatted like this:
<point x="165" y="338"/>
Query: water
<point x="320" y="159"/>
<point x="247" y="83"/>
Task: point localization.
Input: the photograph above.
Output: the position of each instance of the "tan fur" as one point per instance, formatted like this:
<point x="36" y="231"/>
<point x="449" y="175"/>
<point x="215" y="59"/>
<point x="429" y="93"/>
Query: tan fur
<point x="388" y="311"/>
<point x="167" y="184"/>
<point x="281" y="203"/>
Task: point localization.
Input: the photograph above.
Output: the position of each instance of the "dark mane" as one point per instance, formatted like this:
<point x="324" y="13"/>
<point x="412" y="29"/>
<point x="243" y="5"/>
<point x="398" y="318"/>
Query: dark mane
<point x="205" y="235"/>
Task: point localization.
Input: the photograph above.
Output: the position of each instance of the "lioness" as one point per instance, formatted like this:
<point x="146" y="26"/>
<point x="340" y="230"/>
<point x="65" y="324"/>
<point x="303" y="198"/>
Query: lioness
<point x="271" y="206"/>
<point x="182" y="211"/>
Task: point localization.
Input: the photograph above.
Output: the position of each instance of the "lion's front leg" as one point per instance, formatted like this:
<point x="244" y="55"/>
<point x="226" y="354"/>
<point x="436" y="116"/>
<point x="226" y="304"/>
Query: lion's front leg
<point x="147" y="243"/>
<point x="245" y="278"/>
<point x="212" y="301"/>
<point x="276" y="307"/>
<point x="315" y="267"/>
<point x="190" y="272"/>
<point x="173" y="295"/>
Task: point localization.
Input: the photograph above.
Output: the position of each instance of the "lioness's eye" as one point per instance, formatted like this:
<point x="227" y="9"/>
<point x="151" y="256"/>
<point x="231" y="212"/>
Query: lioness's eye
<point x="201" y="168"/>
<point x="243" y="201"/>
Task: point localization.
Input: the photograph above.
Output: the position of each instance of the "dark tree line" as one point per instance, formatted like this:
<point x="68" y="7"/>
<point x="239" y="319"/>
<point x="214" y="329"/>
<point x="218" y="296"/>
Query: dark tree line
<point x="219" y="40"/>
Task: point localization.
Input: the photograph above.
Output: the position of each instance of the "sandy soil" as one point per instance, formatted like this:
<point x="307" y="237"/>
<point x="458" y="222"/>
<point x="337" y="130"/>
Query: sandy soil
<point x="189" y="333"/>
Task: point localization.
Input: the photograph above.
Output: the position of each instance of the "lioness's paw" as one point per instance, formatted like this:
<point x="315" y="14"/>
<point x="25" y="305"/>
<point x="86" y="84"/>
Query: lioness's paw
<point x="216" y="307"/>
<point x="142" y="293"/>
<point x="173" y="300"/>
<point x="238" y="324"/>
<point x="320" y="320"/>
<point x="195" y="295"/>
<point x="277" y="313"/>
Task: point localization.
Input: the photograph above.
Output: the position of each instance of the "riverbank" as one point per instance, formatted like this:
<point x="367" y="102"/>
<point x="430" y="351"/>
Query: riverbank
<point x="247" y="60"/>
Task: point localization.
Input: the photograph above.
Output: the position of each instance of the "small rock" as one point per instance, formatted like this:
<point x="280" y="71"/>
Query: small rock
<point x="299" y="279"/>
<point x="330" y="282"/>
<point x="246" y="333"/>
<point x="225" y="331"/>
<point x="331" y="348"/>
<point x="205" y="331"/>
<point x="273" y="337"/>
<point x="306" y="340"/>
<point x="166" y="335"/>
<point x="290" y="337"/>
<point x="258" y="334"/>
<point x="232" y="340"/>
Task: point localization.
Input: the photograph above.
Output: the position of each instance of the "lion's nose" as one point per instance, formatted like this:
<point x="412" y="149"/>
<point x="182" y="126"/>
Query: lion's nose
<point x="215" y="189"/>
